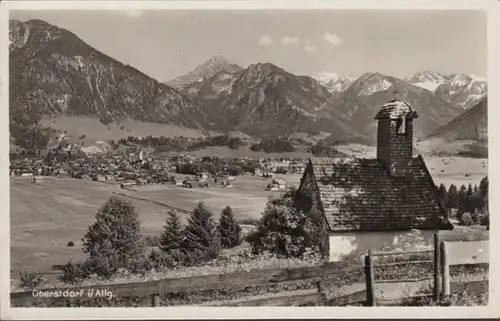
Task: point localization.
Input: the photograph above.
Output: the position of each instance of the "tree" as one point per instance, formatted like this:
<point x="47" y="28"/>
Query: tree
<point x="172" y="235"/>
<point x="484" y="219"/>
<point x="452" y="198"/>
<point x="483" y="193"/>
<point x="461" y="198"/>
<point x="443" y="194"/>
<point x="114" y="241"/>
<point x="201" y="239"/>
<point x="32" y="137"/>
<point x="469" y="201"/>
<point x="229" y="229"/>
<point x="289" y="228"/>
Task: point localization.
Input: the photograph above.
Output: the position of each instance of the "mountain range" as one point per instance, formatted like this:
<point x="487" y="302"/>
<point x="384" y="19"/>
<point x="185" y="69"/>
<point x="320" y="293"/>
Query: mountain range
<point x="53" y="73"/>
<point x="458" y="89"/>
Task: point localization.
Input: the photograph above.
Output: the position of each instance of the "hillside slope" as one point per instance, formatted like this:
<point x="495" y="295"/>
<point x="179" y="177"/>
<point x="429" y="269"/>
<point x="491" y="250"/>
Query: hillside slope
<point x="53" y="72"/>
<point x="471" y="125"/>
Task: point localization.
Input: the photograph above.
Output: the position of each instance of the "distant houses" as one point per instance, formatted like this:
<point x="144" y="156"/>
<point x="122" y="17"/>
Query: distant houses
<point x="99" y="178"/>
<point x="142" y="167"/>
<point x="277" y="184"/>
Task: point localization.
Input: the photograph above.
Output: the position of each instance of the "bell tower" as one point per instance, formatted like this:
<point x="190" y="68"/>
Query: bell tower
<point x="395" y="136"/>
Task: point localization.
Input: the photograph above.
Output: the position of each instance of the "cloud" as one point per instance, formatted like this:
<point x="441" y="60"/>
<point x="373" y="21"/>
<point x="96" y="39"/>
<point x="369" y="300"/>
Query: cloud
<point x="310" y="47"/>
<point x="265" y="41"/>
<point x="290" y="40"/>
<point x="332" y="38"/>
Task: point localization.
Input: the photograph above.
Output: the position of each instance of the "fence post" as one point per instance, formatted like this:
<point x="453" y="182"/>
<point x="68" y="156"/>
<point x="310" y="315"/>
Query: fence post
<point x="437" y="267"/>
<point x="370" y="285"/>
<point x="156" y="300"/>
<point x="445" y="271"/>
<point x="322" y="291"/>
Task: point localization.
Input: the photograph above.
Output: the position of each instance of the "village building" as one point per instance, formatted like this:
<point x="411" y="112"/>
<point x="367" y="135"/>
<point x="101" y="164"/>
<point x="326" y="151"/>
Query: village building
<point x="388" y="203"/>
<point x="177" y="181"/>
<point x="37" y="179"/>
<point x="126" y="184"/>
<point x="257" y="172"/>
<point x="203" y="175"/>
<point x="99" y="178"/>
<point x="277" y="184"/>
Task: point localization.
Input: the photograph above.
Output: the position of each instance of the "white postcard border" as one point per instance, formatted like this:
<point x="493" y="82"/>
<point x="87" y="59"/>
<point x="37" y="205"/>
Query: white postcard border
<point x="491" y="6"/>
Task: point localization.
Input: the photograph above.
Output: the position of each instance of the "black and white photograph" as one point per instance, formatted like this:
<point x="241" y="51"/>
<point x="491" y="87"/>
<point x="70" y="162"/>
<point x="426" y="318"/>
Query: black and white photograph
<point x="238" y="157"/>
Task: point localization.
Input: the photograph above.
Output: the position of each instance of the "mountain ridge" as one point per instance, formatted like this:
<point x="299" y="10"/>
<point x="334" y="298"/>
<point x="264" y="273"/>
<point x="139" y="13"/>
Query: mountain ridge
<point x="53" y="72"/>
<point x="204" y="71"/>
<point x="471" y="125"/>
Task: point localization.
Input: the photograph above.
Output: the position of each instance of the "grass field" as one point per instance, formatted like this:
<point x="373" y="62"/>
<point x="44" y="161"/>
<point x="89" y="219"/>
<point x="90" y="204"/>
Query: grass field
<point x="95" y="130"/>
<point x="244" y="151"/>
<point x="45" y="217"/>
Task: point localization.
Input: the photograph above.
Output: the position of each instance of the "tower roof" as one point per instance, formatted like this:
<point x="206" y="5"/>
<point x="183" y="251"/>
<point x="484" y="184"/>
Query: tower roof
<point x="396" y="109"/>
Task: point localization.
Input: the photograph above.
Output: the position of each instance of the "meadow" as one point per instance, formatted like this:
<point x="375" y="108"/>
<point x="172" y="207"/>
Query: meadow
<point x="45" y="217"/>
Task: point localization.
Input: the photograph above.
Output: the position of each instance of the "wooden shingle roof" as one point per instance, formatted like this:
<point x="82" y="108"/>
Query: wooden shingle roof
<point x="359" y="195"/>
<point x="395" y="109"/>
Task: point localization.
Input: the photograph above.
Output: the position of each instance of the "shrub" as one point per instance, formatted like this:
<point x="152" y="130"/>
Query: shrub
<point x="466" y="219"/>
<point x="71" y="243"/>
<point x="287" y="229"/>
<point x="74" y="273"/>
<point x="484" y="219"/>
<point x="114" y="241"/>
<point x="160" y="260"/>
<point x="201" y="240"/>
<point x="229" y="229"/>
<point x="31" y="280"/>
<point x="152" y="241"/>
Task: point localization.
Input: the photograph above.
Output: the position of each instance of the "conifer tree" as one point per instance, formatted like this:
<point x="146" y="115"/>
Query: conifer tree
<point x="469" y="202"/>
<point x="452" y="197"/>
<point x="483" y="192"/>
<point x="443" y="194"/>
<point x="172" y="235"/>
<point x="201" y="238"/>
<point x="114" y="241"/>
<point x="461" y="201"/>
<point x="229" y="229"/>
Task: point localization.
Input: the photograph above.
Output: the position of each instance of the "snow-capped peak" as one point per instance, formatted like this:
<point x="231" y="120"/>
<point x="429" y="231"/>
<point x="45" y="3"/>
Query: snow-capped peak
<point x="333" y="81"/>
<point x="327" y="76"/>
<point x="427" y="79"/>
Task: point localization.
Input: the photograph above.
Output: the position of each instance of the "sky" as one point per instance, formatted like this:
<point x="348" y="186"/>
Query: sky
<point x="166" y="44"/>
